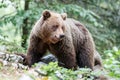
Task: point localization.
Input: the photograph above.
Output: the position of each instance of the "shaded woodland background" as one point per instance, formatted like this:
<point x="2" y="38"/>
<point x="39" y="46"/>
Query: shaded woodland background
<point x="101" y="17"/>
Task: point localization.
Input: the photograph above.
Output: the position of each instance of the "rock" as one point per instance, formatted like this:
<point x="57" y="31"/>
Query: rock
<point x="21" y="66"/>
<point x="12" y="60"/>
<point x="5" y="63"/>
<point x="2" y="55"/>
<point x="6" y="57"/>
<point x="59" y="75"/>
<point x="41" y="72"/>
<point x="40" y="64"/>
<point x="79" y="76"/>
<point x="15" y="58"/>
<point x="49" y="58"/>
<point x="20" y="59"/>
<point x="38" y="68"/>
<point x="14" y="65"/>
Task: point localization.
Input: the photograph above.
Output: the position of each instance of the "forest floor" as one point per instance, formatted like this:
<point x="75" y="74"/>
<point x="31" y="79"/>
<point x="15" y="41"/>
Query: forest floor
<point x="10" y="73"/>
<point x="11" y="68"/>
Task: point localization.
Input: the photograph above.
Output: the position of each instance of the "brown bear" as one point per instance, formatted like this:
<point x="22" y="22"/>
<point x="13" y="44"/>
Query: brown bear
<point x="66" y="38"/>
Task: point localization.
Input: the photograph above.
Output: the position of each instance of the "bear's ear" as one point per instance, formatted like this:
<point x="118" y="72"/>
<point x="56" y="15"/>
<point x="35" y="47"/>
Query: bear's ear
<point x="64" y="16"/>
<point x="46" y="14"/>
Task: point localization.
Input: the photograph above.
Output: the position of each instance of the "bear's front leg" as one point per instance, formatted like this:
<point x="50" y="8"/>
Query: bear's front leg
<point x="85" y="57"/>
<point x="65" y="53"/>
<point x="67" y="60"/>
<point x="36" y="50"/>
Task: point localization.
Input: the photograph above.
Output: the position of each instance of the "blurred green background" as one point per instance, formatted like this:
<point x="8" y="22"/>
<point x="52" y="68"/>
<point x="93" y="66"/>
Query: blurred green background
<point x="101" y="17"/>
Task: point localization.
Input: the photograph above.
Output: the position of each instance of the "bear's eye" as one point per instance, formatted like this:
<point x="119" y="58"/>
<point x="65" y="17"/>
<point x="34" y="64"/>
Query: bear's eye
<point x="54" y="27"/>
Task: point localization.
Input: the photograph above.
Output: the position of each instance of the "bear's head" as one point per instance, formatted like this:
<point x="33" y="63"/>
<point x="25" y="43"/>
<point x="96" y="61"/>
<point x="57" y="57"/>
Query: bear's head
<point x="53" y="26"/>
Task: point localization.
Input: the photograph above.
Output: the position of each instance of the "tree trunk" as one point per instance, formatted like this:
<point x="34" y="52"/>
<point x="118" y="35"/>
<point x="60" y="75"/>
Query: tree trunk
<point x="25" y="31"/>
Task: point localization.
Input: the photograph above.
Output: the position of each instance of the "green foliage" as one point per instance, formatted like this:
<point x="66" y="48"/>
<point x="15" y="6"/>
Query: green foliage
<point x="112" y="62"/>
<point x="55" y="72"/>
<point x="53" y="68"/>
<point x="108" y="12"/>
<point x="10" y="46"/>
<point x="3" y="5"/>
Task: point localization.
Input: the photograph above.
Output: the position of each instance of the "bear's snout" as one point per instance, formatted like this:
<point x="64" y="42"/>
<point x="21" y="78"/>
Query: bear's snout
<point x="62" y="36"/>
<point x="59" y="37"/>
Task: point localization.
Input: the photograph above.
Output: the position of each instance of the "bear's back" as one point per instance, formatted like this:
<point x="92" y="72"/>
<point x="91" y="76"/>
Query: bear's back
<point x="77" y="31"/>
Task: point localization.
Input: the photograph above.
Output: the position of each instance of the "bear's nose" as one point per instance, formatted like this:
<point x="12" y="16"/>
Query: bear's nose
<point x="61" y="36"/>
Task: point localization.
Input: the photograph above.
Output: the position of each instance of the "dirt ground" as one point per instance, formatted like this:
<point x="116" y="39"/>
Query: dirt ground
<point x="10" y="73"/>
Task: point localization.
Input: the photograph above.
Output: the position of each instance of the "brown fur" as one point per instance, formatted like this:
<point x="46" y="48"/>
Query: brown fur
<point x="66" y="38"/>
<point x="98" y="62"/>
